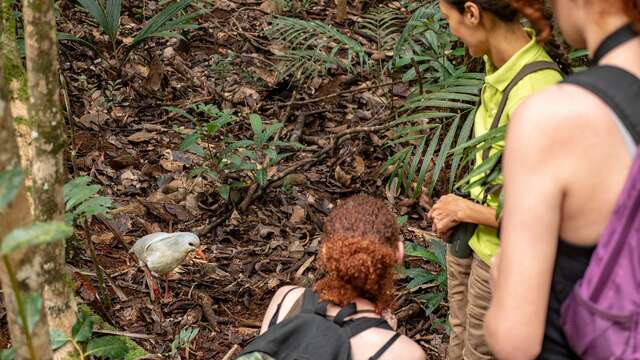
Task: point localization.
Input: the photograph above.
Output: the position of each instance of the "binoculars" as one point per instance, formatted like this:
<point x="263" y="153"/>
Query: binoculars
<point x="461" y="234"/>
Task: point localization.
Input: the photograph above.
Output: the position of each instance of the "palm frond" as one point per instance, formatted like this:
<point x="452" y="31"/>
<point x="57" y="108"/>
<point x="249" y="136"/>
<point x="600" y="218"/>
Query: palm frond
<point x="383" y="25"/>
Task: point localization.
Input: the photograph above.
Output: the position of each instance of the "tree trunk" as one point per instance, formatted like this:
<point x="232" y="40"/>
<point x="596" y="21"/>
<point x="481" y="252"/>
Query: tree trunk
<point x="18" y="214"/>
<point x="47" y="125"/>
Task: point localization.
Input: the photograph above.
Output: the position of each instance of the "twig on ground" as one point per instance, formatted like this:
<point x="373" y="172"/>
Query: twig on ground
<point x="113" y="230"/>
<point x="124" y="333"/>
<point x="231" y="352"/>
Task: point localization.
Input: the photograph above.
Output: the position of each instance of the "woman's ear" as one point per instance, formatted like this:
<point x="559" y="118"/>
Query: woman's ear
<point x="400" y="252"/>
<point x="471" y="13"/>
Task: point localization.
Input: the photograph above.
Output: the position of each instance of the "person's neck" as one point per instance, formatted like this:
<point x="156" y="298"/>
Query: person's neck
<point x="596" y="33"/>
<point x="506" y="41"/>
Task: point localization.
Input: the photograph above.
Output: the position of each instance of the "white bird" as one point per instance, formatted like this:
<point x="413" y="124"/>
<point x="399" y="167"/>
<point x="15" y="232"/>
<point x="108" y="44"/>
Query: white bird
<point x="163" y="252"/>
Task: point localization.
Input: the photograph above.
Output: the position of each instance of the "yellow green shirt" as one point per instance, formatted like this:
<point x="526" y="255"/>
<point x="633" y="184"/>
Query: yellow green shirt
<point x="485" y="241"/>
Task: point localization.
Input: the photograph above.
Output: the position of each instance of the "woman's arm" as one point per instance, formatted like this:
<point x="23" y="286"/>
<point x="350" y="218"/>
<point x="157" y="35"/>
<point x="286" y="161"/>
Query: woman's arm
<point x="533" y="186"/>
<point x="450" y="210"/>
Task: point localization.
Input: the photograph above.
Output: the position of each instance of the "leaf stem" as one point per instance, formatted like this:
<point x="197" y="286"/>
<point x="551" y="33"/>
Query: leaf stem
<point x="19" y="303"/>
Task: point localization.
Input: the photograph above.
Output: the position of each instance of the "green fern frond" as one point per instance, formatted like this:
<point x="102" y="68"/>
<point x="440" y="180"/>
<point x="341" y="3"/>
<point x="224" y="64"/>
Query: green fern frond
<point x="82" y="200"/>
<point x="317" y="40"/>
<point x="382" y="25"/>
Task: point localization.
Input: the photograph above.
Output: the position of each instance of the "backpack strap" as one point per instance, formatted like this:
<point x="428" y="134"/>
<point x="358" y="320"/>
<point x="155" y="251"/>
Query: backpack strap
<point x="523" y="73"/>
<point x="385" y="347"/>
<point x="345" y="312"/>
<point x="619" y="89"/>
<point x="274" y="318"/>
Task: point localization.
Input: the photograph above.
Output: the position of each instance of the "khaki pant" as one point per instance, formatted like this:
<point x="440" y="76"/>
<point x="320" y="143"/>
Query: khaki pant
<point x="469" y="299"/>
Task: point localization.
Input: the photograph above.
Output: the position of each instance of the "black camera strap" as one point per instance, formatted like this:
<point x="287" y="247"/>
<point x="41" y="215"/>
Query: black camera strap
<point x="614" y="40"/>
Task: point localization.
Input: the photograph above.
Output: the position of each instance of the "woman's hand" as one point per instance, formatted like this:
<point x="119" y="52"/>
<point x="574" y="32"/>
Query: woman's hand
<point x="447" y="213"/>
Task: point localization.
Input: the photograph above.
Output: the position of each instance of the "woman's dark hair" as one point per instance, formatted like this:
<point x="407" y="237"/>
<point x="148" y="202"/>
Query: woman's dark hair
<point x="499" y="8"/>
<point x="358" y="253"/>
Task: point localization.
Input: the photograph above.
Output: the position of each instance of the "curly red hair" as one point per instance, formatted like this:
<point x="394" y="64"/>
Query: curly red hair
<point x="534" y="11"/>
<point x="358" y="253"/>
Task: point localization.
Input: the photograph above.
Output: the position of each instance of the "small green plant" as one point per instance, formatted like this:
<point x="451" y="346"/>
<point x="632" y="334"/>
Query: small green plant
<point x="423" y="278"/>
<point x="86" y="344"/>
<point x="183" y="339"/>
<point x="255" y="156"/>
<point x="82" y="200"/>
<point x="206" y="131"/>
<point x="252" y="157"/>
<point x="30" y="304"/>
<point x="167" y="23"/>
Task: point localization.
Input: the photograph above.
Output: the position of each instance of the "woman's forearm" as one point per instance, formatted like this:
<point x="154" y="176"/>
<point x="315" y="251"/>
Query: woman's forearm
<point x="479" y="214"/>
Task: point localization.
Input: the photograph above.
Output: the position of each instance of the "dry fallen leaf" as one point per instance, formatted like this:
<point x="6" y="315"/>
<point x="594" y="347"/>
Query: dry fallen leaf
<point x="140" y="136"/>
<point x="359" y="166"/>
<point x="298" y="215"/>
<point x="342" y="177"/>
<point x="171" y="165"/>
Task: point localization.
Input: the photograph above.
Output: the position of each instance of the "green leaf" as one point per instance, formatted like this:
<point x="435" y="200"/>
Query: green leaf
<point x="180" y="112"/>
<point x="462" y="138"/>
<point x="432" y="301"/>
<point x="93" y="206"/>
<point x="425" y="162"/>
<point x="80" y="194"/>
<point x="440" y="251"/>
<point x="269" y="131"/>
<point x="78" y="182"/>
<point x="58" y="338"/>
<point x="419" y="277"/>
<point x="190" y="143"/>
<point x="256" y="125"/>
<point x="402" y="219"/>
<point x="36" y="234"/>
<point x="32" y="303"/>
<point x="442" y="157"/>
<point x="161" y="25"/>
<point x="83" y="328"/>
<point x="108" y="347"/>
<point x="412" y="249"/>
<point x="62" y="36"/>
<point x="184" y="338"/>
<point x="10" y="182"/>
<point x="8" y="354"/>
<point x="224" y="191"/>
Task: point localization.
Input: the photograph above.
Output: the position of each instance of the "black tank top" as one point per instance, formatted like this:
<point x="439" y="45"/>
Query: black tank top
<point x="571" y="263"/>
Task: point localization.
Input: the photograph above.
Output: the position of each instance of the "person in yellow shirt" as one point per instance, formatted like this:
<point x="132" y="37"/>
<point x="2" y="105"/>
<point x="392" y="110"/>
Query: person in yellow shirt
<point x="516" y="67"/>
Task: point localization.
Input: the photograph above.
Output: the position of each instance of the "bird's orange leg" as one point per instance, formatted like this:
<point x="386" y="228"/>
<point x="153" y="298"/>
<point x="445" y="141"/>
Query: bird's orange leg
<point x="154" y="289"/>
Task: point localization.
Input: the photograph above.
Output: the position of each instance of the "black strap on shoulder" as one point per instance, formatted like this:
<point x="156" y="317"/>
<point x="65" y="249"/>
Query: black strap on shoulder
<point x="274" y="319"/>
<point x="345" y="312"/>
<point x="614" y="40"/>
<point x="356" y="326"/>
<point x="523" y="73"/>
<point x="619" y="89"/>
<point x="385" y="347"/>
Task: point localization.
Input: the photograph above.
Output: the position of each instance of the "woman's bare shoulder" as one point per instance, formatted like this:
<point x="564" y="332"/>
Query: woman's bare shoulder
<point x="407" y="349"/>
<point x="558" y="113"/>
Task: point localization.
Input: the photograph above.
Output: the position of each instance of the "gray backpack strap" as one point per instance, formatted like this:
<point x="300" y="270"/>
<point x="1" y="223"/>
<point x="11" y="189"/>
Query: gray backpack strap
<point x="524" y="72"/>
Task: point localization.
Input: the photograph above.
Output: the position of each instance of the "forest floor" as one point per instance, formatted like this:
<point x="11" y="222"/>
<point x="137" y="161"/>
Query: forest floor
<point x="122" y="136"/>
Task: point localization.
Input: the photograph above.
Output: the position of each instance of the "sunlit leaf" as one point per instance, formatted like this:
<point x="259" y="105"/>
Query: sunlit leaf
<point x="108" y="347"/>
<point x="36" y="234"/>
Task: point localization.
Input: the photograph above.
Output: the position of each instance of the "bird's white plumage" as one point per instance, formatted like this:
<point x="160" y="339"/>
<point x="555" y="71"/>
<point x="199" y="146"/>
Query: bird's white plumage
<point x="163" y="252"/>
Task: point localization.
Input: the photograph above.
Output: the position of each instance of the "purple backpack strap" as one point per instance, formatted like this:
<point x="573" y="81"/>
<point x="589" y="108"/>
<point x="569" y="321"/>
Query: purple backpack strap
<point x="601" y="317"/>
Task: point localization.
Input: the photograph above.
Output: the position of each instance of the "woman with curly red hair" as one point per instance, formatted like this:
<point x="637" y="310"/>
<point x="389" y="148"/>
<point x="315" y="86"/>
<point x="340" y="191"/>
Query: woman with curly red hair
<point x="360" y="250"/>
<point x="568" y="154"/>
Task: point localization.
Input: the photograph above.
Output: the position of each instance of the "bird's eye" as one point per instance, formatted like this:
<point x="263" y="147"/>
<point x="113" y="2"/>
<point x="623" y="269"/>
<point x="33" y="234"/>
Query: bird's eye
<point x="190" y="244"/>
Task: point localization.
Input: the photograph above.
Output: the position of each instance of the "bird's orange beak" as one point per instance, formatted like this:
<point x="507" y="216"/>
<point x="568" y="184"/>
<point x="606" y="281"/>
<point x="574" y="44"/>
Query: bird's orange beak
<point x="200" y="254"/>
